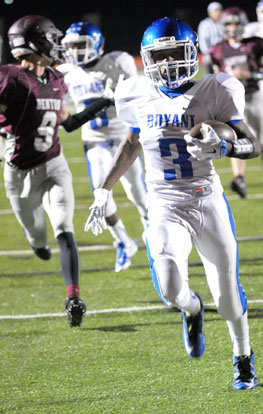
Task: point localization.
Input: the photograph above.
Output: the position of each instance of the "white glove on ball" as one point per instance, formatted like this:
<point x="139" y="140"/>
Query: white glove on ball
<point x="210" y="147"/>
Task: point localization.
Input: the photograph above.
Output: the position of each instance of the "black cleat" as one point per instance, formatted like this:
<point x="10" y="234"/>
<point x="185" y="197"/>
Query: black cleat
<point x="76" y="309"/>
<point x="244" y="372"/>
<point x="239" y="186"/>
<point x="43" y="253"/>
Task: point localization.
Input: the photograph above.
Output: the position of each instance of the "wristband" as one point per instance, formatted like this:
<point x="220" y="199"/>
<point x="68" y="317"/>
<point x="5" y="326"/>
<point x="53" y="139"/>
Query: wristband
<point x="241" y="148"/>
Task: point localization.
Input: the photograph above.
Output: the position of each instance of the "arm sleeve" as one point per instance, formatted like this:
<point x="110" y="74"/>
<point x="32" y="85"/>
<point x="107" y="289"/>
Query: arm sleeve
<point x="77" y="120"/>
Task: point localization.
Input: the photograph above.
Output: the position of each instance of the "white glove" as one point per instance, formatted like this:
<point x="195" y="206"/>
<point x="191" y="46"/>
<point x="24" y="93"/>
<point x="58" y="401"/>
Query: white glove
<point x="96" y="220"/>
<point x="108" y="91"/>
<point x="210" y="147"/>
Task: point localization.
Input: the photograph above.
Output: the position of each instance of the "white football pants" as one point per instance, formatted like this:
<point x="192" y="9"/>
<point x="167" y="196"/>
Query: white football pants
<point x="208" y="223"/>
<point x="47" y="187"/>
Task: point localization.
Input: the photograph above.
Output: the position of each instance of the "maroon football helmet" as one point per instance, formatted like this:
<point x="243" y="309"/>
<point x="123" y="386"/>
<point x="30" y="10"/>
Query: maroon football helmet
<point x="34" y="34"/>
<point x="236" y="16"/>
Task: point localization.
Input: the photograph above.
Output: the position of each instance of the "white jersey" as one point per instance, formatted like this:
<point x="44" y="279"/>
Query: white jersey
<point x="253" y="29"/>
<point x="86" y="84"/>
<point x="171" y="173"/>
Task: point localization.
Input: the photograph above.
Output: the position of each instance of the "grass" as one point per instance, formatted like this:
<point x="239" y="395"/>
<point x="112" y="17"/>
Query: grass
<point x="120" y="362"/>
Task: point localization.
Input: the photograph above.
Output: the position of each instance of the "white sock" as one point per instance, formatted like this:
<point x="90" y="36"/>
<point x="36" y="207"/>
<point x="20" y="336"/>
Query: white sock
<point x="239" y="332"/>
<point x="119" y="232"/>
<point x="193" y="305"/>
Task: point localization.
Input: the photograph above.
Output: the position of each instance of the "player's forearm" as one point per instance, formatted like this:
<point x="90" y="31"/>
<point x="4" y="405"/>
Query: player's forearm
<point x="243" y="148"/>
<point x="75" y="121"/>
<point x="247" y="146"/>
<point x="126" y="154"/>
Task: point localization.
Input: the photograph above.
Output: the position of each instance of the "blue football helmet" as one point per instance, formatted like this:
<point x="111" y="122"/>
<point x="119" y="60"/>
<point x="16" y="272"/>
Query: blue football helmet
<point x="170" y="33"/>
<point x="84" y="43"/>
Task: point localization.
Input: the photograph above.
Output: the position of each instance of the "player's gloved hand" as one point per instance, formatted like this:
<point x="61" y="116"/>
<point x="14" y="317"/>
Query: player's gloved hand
<point x="108" y="91"/>
<point x="210" y="147"/>
<point x="96" y="220"/>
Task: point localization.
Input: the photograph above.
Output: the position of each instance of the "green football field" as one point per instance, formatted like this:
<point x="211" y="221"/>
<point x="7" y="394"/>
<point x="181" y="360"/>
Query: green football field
<point x="127" y="357"/>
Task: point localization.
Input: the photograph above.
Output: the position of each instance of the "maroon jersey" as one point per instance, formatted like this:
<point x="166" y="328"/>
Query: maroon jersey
<point x="30" y="114"/>
<point x="247" y="55"/>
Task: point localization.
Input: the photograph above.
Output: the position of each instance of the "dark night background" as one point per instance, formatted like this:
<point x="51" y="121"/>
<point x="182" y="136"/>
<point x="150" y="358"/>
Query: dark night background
<point x="122" y="22"/>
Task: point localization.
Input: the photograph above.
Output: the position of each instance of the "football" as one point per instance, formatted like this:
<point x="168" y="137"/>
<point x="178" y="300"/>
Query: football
<point x="223" y="130"/>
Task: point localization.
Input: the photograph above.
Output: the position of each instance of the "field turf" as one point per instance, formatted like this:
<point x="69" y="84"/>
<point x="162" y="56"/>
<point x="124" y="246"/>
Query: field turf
<point x="127" y="357"/>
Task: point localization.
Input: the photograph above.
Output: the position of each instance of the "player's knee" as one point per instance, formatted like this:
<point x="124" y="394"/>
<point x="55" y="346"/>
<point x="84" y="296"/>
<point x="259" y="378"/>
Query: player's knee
<point x="169" y="279"/>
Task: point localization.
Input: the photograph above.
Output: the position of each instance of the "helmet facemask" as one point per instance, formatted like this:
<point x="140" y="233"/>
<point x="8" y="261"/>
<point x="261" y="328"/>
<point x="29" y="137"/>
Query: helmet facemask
<point x="56" y="51"/>
<point x="82" y="49"/>
<point x="171" y="73"/>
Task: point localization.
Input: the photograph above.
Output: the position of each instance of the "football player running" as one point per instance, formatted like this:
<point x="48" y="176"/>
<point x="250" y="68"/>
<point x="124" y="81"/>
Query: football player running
<point x="185" y="200"/>
<point x="85" y="75"/>
<point x="36" y="175"/>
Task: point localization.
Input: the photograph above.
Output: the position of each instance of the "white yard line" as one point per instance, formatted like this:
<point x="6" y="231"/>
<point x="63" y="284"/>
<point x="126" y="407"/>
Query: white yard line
<point x="128" y="204"/>
<point x="80" y="248"/>
<point x="111" y="310"/>
<point x="104" y="247"/>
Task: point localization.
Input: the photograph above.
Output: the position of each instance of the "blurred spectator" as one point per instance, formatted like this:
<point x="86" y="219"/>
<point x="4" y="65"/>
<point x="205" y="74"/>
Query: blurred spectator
<point x="210" y="33"/>
<point x="256" y="28"/>
<point x="242" y="58"/>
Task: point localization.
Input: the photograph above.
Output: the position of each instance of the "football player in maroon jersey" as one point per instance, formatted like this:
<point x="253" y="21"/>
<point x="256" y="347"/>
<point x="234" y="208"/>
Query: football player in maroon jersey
<point x="37" y="177"/>
<point x="243" y="58"/>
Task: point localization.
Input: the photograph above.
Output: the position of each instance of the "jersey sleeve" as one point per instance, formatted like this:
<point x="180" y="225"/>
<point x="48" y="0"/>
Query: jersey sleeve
<point x="127" y="64"/>
<point x="124" y="102"/>
<point x="230" y="98"/>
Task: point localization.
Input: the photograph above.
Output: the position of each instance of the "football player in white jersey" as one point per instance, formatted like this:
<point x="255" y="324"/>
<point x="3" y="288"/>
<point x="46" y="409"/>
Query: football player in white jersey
<point x="185" y="200"/>
<point x="85" y="74"/>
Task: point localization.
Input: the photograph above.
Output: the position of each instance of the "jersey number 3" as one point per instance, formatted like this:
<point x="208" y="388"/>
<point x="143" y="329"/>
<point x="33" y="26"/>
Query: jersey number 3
<point x="182" y="160"/>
